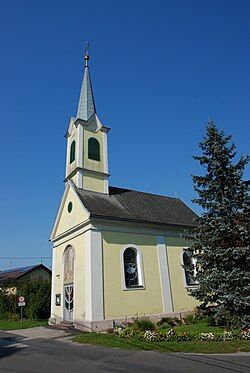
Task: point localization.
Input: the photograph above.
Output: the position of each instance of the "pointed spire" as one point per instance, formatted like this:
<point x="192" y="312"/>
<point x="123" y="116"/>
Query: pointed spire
<point x="86" y="105"/>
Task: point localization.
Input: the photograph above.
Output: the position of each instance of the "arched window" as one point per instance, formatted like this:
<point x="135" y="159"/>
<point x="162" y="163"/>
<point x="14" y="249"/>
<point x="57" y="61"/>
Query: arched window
<point x="68" y="279"/>
<point x="93" y="149"/>
<point x="72" y="151"/>
<point x="189" y="267"/>
<point x="132" y="268"/>
<point x="69" y="262"/>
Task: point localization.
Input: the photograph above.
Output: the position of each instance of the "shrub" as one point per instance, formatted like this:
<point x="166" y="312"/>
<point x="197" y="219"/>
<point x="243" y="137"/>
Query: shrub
<point x="169" y="321"/>
<point x="144" y="325"/>
<point x="190" y="318"/>
<point x="37" y="298"/>
<point x="37" y="295"/>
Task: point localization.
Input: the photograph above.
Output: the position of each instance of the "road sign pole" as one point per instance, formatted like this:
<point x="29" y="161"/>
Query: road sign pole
<point x="21" y="316"/>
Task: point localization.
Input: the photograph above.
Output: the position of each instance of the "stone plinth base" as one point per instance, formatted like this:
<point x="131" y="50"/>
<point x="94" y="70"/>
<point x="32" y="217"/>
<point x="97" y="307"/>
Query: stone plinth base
<point x="104" y="325"/>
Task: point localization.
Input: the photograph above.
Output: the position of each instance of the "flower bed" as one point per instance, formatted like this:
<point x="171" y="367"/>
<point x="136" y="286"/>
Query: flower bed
<point x="171" y="335"/>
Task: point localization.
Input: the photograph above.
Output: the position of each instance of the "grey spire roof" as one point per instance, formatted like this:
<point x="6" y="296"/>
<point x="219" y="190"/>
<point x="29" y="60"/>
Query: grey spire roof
<point x="86" y="105"/>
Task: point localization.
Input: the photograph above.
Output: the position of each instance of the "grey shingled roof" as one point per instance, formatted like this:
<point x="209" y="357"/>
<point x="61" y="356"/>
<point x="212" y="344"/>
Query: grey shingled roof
<point x="131" y="205"/>
<point x="86" y="105"/>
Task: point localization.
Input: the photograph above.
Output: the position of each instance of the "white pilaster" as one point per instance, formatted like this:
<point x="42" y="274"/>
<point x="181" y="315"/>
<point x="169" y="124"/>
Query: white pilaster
<point x="164" y="275"/>
<point x="53" y="285"/>
<point x="79" y="154"/>
<point x="93" y="276"/>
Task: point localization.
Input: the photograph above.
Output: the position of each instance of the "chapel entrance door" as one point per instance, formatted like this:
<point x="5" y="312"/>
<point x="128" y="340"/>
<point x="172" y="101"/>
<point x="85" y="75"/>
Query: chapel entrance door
<point x="68" y="302"/>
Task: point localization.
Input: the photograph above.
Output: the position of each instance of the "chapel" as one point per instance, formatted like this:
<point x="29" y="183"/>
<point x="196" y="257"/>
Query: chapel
<point x="117" y="253"/>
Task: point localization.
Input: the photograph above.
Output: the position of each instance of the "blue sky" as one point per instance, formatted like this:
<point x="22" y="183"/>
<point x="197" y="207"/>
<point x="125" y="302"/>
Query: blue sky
<point x="159" y="70"/>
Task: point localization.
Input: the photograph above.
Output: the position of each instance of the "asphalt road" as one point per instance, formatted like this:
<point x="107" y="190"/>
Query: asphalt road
<point x="45" y="350"/>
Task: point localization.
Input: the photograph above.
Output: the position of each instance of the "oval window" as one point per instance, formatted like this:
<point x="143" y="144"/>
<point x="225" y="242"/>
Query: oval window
<point x="70" y="206"/>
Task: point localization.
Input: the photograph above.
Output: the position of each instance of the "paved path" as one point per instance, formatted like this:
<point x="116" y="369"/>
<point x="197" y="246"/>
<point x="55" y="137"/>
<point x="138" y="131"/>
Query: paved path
<point x="47" y="350"/>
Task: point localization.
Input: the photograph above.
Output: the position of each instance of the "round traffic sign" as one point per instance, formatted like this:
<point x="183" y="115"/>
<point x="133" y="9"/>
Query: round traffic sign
<point x="21" y="299"/>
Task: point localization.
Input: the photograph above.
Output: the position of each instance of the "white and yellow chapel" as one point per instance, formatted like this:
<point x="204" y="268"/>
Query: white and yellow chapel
<point x="117" y="253"/>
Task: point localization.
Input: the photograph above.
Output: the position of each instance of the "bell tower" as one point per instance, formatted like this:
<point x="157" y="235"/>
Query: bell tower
<point x="87" y="145"/>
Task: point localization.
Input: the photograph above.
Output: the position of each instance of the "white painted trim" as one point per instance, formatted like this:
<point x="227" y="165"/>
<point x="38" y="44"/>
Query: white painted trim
<point x="52" y="308"/>
<point x="93" y="276"/>
<point x="139" y="262"/>
<point x="105" y="152"/>
<point x="80" y="147"/>
<point x="59" y="212"/>
<point x="167" y="301"/>
<point x="183" y="270"/>
<point x="72" y="233"/>
<point x="110" y="225"/>
<point x="106" y="186"/>
<point x="79" y="179"/>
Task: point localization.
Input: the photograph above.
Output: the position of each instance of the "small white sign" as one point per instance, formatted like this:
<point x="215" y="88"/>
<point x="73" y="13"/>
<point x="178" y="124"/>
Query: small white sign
<point x="21" y="299"/>
<point x="21" y="304"/>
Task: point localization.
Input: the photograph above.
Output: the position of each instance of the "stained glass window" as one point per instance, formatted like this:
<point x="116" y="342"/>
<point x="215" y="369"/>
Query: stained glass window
<point x="130" y="267"/>
<point x="189" y="268"/>
<point x="69" y="265"/>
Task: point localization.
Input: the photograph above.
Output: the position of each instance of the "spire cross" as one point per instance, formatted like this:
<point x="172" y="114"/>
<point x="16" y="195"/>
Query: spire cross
<point x="86" y="54"/>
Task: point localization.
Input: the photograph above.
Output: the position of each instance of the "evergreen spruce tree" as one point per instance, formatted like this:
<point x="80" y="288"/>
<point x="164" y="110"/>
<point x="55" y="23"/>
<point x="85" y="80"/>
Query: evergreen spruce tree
<point x="220" y="243"/>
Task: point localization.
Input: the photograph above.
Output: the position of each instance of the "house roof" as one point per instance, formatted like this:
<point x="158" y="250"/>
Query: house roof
<point x="131" y="205"/>
<point x="15" y="273"/>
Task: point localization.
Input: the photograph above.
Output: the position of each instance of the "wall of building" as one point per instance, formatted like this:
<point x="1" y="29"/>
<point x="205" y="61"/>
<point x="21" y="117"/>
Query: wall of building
<point x="93" y="182"/>
<point x="122" y="303"/>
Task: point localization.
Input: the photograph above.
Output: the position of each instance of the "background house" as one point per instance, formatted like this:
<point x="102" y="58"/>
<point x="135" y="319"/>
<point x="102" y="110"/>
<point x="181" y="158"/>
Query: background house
<point x="14" y="276"/>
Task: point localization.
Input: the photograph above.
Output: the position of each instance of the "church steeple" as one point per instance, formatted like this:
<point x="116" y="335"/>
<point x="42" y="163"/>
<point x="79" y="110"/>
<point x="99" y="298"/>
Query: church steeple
<point x="87" y="146"/>
<point x="86" y="105"/>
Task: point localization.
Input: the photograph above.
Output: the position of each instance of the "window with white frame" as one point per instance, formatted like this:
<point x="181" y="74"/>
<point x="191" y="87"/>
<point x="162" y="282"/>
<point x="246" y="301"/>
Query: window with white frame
<point x="132" y="270"/>
<point x="189" y="267"/>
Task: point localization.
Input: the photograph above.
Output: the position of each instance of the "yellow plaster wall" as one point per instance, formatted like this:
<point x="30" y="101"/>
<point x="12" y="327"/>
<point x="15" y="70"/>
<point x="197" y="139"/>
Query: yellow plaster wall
<point x="93" y="182"/>
<point x="79" y="277"/>
<point x="76" y="216"/>
<point x="121" y="303"/>
<point x="90" y="163"/>
<point x="181" y="300"/>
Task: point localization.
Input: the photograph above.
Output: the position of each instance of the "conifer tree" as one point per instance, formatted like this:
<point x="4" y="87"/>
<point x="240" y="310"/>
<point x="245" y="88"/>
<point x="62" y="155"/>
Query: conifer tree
<point x="220" y="243"/>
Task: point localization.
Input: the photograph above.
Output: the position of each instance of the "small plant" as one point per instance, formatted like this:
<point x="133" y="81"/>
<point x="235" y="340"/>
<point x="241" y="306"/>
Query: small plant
<point x="206" y="336"/>
<point x="245" y="334"/>
<point x="144" y="325"/>
<point x="150" y="335"/>
<point x="169" y="321"/>
<point x="227" y="336"/>
<point x="190" y="318"/>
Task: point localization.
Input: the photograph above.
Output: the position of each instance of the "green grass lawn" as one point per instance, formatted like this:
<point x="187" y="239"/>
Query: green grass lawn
<point x="13" y="325"/>
<point x="116" y="341"/>
<point x="201" y="327"/>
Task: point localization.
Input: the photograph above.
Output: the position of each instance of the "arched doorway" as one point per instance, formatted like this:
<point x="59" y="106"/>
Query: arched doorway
<point x="69" y="264"/>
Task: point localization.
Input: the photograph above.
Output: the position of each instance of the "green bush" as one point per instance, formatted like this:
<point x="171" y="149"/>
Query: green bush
<point x="169" y="321"/>
<point x="190" y="318"/>
<point x="37" y="296"/>
<point x="37" y="299"/>
<point x="8" y="304"/>
<point x="144" y="324"/>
